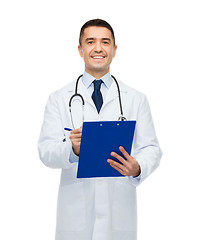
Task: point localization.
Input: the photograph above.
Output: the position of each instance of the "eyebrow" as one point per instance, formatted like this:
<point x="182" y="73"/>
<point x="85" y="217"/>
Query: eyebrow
<point x="88" y="39"/>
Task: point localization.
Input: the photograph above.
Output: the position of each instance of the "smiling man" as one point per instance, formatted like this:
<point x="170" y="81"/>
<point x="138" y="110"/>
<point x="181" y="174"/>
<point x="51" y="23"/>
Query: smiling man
<point x="97" y="47"/>
<point x="97" y="208"/>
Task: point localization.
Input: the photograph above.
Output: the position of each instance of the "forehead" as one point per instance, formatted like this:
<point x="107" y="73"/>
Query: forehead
<point x="97" y="32"/>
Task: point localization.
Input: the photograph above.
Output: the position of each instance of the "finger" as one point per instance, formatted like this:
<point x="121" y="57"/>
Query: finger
<point x="117" y="168"/>
<point x="77" y="144"/>
<point x="78" y="130"/>
<point x="124" y="152"/>
<point x="77" y="140"/>
<point x="117" y="156"/>
<point x="117" y="165"/>
<point x="76" y="135"/>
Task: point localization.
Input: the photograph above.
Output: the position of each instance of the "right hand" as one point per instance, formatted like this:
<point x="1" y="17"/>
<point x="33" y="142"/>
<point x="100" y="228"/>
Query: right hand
<point x="75" y="137"/>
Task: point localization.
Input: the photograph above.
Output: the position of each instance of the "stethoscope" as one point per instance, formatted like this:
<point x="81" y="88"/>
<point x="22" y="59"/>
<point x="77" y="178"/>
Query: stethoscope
<point x="121" y="118"/>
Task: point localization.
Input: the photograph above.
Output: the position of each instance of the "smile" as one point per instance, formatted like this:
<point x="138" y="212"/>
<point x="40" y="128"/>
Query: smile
<point x="98" y="57"/>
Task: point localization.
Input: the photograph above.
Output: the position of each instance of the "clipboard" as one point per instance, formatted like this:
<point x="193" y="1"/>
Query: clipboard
<point x="98" y="140"/>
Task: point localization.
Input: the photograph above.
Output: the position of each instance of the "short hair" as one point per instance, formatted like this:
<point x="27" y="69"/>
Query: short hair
<point x="98" y="23"/>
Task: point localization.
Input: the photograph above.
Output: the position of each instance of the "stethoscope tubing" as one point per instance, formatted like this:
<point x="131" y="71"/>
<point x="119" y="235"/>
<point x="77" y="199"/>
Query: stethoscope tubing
<point x="76" y="94"/>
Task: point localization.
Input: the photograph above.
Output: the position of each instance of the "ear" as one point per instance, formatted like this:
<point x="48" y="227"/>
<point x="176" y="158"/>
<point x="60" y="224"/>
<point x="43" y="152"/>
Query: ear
<point x="80" y="51"/>
<point x="114" y="53"/>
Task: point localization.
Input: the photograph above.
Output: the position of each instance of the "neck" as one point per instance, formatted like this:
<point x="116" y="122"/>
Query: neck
<point x="97" y="75"/>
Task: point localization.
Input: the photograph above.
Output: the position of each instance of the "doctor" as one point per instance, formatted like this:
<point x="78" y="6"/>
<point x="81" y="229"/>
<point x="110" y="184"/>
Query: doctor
<point x="97" y="208"/>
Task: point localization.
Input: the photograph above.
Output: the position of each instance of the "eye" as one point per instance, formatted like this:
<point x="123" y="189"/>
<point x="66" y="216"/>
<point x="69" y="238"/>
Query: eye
<point x="106" y="42"/>
<point x="90" y="42"/>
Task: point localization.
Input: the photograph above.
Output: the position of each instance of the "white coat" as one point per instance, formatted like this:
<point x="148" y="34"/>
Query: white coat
<point x="97" y="208"/>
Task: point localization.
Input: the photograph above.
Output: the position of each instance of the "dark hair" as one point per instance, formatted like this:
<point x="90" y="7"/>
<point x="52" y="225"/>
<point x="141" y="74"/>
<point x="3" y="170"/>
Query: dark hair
<point x="98" y="23"/>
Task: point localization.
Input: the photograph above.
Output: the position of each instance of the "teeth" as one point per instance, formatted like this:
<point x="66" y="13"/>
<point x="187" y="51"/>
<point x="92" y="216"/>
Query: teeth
<point x="98" y="57"/>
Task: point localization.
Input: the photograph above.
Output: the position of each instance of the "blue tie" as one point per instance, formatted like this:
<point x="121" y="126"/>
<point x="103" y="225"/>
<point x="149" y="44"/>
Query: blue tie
<point x="96" y="95"/>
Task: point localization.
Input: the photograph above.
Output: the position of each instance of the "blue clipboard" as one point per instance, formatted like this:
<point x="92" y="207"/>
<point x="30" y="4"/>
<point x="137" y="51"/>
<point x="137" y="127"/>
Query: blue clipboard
<point x="98" y="140"/>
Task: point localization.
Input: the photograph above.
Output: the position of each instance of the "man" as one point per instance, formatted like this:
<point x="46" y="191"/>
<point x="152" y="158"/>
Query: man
<point x="97" y="208"/>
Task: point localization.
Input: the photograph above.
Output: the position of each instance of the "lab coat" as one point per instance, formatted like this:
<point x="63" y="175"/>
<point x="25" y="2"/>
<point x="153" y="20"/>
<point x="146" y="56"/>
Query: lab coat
<point x="96" y="208"/>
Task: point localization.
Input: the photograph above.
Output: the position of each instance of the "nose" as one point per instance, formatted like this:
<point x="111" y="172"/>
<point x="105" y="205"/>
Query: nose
<point x="98" y="47"/>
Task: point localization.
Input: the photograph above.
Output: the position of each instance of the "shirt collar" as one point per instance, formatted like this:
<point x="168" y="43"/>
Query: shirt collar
<point x="87" y="79"/>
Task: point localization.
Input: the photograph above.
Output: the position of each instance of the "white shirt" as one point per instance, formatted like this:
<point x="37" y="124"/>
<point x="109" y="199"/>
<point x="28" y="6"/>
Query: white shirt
<point x="87" y="80"/>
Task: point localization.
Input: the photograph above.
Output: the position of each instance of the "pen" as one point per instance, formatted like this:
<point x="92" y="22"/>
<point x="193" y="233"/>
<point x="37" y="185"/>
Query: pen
<point x="67" y="129"/>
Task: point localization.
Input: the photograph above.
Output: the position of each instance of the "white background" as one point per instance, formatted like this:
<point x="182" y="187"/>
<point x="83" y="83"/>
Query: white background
<point x="157" y="54"/>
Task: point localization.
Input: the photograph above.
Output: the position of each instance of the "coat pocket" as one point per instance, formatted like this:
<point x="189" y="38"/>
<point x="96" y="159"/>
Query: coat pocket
<point x="71" y="214"/>
<point x="124" y="209"/>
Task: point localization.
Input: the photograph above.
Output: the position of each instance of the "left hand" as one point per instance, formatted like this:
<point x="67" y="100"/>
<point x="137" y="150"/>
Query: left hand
<point x="129" y="166"/>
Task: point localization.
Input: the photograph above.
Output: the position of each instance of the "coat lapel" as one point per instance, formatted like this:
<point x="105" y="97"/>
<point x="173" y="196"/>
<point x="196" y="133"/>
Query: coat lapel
<point x="84" y="92"/>
<point x="113" y="92"/>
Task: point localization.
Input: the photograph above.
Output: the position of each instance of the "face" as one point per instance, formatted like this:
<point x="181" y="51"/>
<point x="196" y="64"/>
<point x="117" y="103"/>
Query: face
<point x="97" y="49"/>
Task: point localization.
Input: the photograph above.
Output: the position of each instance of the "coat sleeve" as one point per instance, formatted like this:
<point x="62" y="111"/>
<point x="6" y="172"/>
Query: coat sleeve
<point x="53" y="151"/>
<point x="146" y="149"/>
